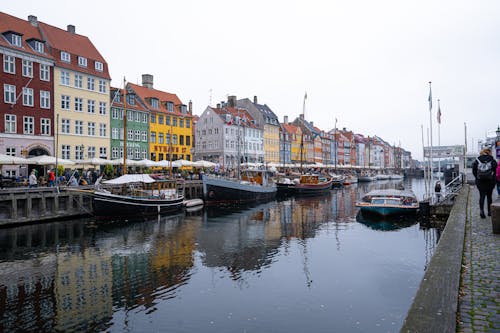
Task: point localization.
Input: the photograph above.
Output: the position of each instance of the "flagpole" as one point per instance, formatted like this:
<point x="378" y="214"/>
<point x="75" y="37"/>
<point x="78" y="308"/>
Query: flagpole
<point x="439" y="139"/>
<point x="423" y="154"/>
<point x="431" y="181"/>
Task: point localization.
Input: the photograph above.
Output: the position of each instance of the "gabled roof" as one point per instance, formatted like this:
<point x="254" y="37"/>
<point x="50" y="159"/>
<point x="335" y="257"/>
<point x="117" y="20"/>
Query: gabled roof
<point x="120" y="104"/>
<point x="236" y="112"/>
<point x="9" y="23"/>
<point x="76" y="45"/>
<point x="266" y="111"/>
<point x="145" y="94"/>
<point x="292" y="129"/>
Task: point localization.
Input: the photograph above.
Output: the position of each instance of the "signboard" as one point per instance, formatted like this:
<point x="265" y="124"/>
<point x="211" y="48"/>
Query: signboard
<point x="445" y="151"/>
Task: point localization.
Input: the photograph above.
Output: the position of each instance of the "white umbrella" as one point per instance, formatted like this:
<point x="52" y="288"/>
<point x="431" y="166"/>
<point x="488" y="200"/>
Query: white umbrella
<point x="49" y="160"/>
<point x="11" y="160"/>
<point x="204" y="164"/>
<point x="146" y="163"/>
<point x="119" y="161"/>
<point x="163" y="163"/>
<point x="95" y="161"/>
<point x="181" y="163"/>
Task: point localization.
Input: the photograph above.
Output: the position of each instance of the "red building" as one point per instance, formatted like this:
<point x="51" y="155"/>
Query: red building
<point x="26" y="80"/>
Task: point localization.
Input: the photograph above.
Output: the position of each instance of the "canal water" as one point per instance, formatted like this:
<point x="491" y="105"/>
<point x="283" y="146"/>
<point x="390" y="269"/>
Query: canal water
<point x="291" y="265"/>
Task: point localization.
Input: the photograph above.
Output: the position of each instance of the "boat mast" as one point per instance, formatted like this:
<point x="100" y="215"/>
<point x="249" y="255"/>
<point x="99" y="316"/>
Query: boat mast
<point x="302" y="132"/>
<point x="124" y="126"/>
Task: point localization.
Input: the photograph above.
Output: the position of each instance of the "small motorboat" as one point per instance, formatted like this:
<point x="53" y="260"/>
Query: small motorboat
<point x="389" y="202"/>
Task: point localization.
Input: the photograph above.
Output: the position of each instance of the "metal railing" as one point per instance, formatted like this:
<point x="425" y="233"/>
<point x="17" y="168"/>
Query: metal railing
<point x="452" y="188"/>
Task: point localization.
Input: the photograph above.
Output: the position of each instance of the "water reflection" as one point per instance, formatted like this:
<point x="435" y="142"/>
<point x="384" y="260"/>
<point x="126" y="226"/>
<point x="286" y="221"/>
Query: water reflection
<point x="85" y="276"/>
<point x="386" y="223"/>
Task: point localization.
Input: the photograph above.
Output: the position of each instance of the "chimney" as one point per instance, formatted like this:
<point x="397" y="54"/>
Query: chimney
<point x="285" y="120"/>
<point x="218" y="105"/>
<point x="255" y="99"/>
<point x="33" y="20"/>
<point x="190" y="107"/>
<point x="147" y="81"/>
<point x="231" y="101"/>
<point x="71" y="29"/>
<point x="344" y="129"/>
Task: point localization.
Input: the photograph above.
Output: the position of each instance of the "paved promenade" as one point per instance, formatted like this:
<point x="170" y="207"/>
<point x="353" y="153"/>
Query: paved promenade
<point x="479" y="297"/>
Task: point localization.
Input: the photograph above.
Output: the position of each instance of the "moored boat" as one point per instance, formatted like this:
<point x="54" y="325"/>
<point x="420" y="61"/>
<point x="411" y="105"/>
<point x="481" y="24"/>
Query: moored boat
<point x="253" y="186"/>
<point x="136" y="195"/>
<point x="389" y="202"/>
<point x="310" y="184"/>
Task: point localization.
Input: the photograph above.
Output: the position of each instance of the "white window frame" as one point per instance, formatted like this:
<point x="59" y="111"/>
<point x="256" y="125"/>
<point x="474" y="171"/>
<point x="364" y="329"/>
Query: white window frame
<point x="10" y="151"/>
<point x="82" y="61"/>
<point x="91" y="128"/>
<point x="79" y="81"/>
<point x="64" y="78"/>
<point x="65" y="126"/>
<point x="102" y="130"/>
<point x="27" y="68"/>
<point x="103" y="108"/>
<point x="114" y="152"/>
<point x="79" y="152"/>
<point x="144" y="135"/>
<point x="102" y="86"/>
<point x="45" y="126"/>
<point x="65" y="102"/>
<point x="90" y="106"/>
<point x="9" y="64"/>
<point x="91" y="152"/>
<point x="78" y="104"/>
<point x="103" y="152"/>
<point x="16" y="40"/>
<point x="65" y="56"/>
<point x="66" y="152"/>
<point x="90" y="83"/>
<point x="38" y="46"/>
<point x="10" y="123"/>
<point x="9" y="93"/>
<point x="44" y="99"/>
<point x="28" y="125"/>
<point x="79" y="127"/>
<point x="114" y="133"/>
<point x="44" y="72"/>
<point x="137" y="135"/>
<point x="99" y="66"/>
<point x="28" y="99"/>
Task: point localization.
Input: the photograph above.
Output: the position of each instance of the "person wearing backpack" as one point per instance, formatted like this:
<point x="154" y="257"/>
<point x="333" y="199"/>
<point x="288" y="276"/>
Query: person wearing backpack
<point x="498" y="178"/>
<point x="484" y="168"/>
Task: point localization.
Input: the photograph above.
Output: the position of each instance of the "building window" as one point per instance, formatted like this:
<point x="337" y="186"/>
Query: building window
<point x="44" y="72"/>
<point x="45" y="99"/>
<point x="91" y="152"/>
<point x="130" y="115"/>
<point x="153" y="137"/>
<point x="16" y="40"/>
<point x="28" y="96"/>
<point x="145" y="118"/>
<point x="78" y="127"/>
<point x="79" y="152"/>
<point x="174" y="139"/>
<point x="188" y="140"/>
<point x="78" y="104"/>
<point x="102" y="130"/>
<point x="90" y="83"/>
<point x="29" y="125"/>
<point x="90" y="106"/>
<point x="64" y="102"/>
<point x="130" y="135"/>
<point x="82" y="62"/>
<point x="9" y="64"/>
<point x="102" y="108"/>
<point x="137" y="153"/>
<point x="65" y="125"/>
<point x="78" y="81"/>
<point x="160" y="120"/>
<point x="167" y="138"/>
<point x="131" y="99"/>
<point x="65" y="78"/>
<point x="65" y="56"/>
<point x="38" y="46"/>
<point x="153" y="118"/>
<point x="154" y="103"/>
<point x="144" y="135"/>
<point x="144" y="153"/>
<point x="181" y="140"/>
<point x="160" y="138"/>
<point x="10" y="151"/>
<point x="103" y="152"/>
<point x="137" y="117"/>
<point x="167" y="120"/>
<point x="91" y="128"/>
<point x="114" y="133"/>
<point x="174" y="121"/>
<point x="170" y="107"/>
<point x="102" y="86"/>
<point x="10" y="123"/>
<point x="27" y="68"/>
<point x="45" y="126"/>
<point x="137" y="135"/>
<point x="114" y="152"/>
<point x="181" y="123"/>
<point x="66" y="151"/>
<point x="99" y="66"/>
<point x="9" y="93"/>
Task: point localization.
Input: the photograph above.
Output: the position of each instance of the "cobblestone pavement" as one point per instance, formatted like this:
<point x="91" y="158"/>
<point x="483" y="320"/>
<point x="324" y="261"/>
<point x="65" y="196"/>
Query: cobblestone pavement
<point x="479" y="299"/>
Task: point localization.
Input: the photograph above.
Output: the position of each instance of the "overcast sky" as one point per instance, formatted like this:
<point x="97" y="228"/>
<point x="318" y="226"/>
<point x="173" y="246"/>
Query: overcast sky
<point x="365" y="63"/>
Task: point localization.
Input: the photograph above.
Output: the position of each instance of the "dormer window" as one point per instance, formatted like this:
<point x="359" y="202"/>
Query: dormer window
<point x="154" y="103"/>
<point x="183" y="109"/>
<point x="65" y="56"/>
<point x="131" y="99"/>
<point x="99" y="66"/>
<point x="38" y="46"/>
<point x="170" y="107"/>
<point x="16" y="40"/>
<point x="82" y="61"/>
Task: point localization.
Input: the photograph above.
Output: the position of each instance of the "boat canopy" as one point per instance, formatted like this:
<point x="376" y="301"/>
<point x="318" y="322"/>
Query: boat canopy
<point x="130" y="178"/>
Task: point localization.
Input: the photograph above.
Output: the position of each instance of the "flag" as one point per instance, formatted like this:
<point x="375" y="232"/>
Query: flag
<point x="439" y="113"/>
<point x="430" y="98"/>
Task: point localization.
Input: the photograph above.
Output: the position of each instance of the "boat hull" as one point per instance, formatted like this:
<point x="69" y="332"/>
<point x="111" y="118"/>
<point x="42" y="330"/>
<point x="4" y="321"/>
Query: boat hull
<point x="111" y="205"/>
<point x="313" y="189"/>
<point x="387" y="210"/>
<point x="224" y="191"/>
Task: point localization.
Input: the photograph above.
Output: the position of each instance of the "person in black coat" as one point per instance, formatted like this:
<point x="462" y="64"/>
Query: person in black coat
<point x="485" y="183"/>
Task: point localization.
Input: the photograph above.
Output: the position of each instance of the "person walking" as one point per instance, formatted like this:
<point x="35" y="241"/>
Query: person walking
<point x="484" y="168"/>
<point x="437" y="190"/>
<point x="498" y="177"/>
<point x="32" y="181"/>
<point x="52" y="178"/>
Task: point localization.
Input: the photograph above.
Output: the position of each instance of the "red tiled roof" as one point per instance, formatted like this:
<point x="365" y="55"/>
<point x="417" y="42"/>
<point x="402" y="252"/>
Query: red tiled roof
<point x="234" y="112"/>
<point x="145" y="93"/>
<point x="290" y="128"/>
<point x="76" y="45"/>
<point x="12" y="23"/>
<point x="136" y="106"/>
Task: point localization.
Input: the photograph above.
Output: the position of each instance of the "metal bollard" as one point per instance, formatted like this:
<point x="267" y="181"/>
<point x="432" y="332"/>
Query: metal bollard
<point x="495" y="216"/>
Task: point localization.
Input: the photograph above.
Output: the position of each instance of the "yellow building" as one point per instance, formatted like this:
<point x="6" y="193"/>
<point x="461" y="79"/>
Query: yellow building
<point x="170" y="122"/>
<point x="81" y="95"/>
